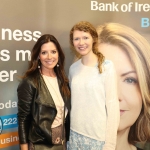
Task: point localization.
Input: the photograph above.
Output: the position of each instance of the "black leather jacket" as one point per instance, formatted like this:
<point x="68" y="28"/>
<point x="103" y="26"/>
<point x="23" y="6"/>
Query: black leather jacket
<point x="36" y="112"/>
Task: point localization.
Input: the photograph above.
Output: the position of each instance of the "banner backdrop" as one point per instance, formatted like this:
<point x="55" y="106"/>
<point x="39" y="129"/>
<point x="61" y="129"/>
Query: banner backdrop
<point x="22" y="22"/>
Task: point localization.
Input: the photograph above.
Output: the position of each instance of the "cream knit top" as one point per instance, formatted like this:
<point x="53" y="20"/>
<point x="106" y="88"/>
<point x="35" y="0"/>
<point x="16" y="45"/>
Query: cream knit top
<point x="53" y="88"/>
<point x="94" y="102"/>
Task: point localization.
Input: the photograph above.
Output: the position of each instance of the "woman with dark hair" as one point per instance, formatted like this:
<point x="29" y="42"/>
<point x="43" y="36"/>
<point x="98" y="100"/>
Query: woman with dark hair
<point x="94" y="104"/>
<point x="44" y="98"/>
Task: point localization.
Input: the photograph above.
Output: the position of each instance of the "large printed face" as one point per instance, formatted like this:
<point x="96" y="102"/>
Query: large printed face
<point x="48" y="56"/>
<point x="129" y="95"/>
<point x="82" y="42"/>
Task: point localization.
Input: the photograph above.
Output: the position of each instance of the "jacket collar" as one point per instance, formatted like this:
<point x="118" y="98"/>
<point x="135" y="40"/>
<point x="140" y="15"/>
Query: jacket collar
<point x="45" y="96"/>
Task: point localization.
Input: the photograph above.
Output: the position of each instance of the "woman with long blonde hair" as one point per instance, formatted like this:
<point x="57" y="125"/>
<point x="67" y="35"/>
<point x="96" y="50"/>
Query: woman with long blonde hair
<point x="94" y="103"/>
<point x="130" y="53"/>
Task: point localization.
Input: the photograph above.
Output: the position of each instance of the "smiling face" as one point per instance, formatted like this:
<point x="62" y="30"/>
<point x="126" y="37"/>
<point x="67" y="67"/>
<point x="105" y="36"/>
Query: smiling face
<point x="48" y="57"/>
<point x="130" y="99"/>
<point x="83" y="42"/>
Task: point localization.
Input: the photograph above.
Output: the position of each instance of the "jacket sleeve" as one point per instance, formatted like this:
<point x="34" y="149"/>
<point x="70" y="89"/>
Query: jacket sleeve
<point x="112" y="107"/>
<point x="25" y="93"/>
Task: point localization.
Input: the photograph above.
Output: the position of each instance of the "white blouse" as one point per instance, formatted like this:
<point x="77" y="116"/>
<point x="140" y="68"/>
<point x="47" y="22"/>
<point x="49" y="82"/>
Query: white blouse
<point x="94" y="102"/>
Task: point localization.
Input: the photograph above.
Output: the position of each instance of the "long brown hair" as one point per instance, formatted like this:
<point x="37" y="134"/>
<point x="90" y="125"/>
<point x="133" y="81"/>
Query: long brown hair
<point x="138" y="50"/>
<point x="89" y="28"/>
<point x="33" y="70"/>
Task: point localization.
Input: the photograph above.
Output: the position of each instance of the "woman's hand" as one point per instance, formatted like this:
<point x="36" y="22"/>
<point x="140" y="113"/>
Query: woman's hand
<point x="24" y="146"/>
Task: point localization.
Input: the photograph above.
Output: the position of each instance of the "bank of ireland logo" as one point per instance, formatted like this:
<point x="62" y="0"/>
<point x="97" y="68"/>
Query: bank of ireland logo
<point x="1" y="126"/>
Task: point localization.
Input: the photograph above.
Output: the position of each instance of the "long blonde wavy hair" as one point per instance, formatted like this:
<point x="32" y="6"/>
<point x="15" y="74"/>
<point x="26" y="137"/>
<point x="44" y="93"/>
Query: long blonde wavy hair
<point x="138" y="50"/>
<point x="89" y="28"/>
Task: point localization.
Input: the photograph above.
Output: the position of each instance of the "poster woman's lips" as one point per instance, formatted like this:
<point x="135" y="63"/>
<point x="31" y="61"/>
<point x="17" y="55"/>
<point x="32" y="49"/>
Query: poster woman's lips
<point x="122" y="112"/>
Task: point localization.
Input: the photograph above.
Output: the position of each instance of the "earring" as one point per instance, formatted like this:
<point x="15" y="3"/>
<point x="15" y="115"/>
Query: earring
<point x="39" y="62"/>
<point x="57" y="65"/>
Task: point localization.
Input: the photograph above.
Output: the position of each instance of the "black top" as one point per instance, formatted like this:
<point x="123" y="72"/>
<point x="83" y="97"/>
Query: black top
<point x="37" y="111"/>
